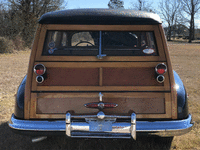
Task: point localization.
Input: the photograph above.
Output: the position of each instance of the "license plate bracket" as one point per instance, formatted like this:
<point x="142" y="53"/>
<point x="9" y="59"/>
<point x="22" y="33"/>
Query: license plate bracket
<point x="99" y="125"/>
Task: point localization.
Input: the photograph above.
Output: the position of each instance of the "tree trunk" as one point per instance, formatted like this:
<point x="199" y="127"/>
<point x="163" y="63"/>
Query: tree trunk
<point x="169" y="33"/>
<point x="191" y="30"/>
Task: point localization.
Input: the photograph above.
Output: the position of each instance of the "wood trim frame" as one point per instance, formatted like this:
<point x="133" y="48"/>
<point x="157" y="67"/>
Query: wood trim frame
<point x="33" y="105"/>
<point x="33" y="114"/>
<point x="171" y="75"/>
<point x="35" y="87"/>
<point x="28" y="86"/>
<point x="154" y="28"/>
<point x="100" y="76"/>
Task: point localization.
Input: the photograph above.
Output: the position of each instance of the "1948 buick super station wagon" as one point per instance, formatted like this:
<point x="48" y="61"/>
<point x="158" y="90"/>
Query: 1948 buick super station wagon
<point x="100" y="73"/>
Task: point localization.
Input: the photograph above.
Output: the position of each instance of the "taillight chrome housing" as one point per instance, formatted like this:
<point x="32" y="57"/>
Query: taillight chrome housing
<point x="39" y="69"/>
<point x="161" y="69"/>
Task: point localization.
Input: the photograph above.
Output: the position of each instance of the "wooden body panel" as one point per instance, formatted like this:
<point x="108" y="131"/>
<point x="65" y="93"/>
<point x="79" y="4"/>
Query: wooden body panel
<point x="149" y="105"/>
<point x="131" y="76"/>
<point x="134" y="76"/>
<point x="167" y="102"/>
<point x="76" y="105"/>
<point x="71" y="77"/>
<point x="110" y="77"/>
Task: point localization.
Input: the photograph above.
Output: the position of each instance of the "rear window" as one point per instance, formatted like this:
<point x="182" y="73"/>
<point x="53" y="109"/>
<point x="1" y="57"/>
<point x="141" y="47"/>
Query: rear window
<point x="93" y="43"/>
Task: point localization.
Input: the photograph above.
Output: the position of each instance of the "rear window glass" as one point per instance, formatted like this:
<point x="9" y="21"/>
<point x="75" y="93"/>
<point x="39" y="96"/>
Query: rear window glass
<point x="92" y="43"/>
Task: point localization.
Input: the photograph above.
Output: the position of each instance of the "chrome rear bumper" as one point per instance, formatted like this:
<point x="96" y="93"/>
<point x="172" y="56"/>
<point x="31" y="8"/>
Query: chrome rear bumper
<point x="119" y="129"/>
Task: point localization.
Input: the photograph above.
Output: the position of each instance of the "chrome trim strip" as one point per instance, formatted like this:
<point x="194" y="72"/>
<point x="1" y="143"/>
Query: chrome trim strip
<point x="160" y="128"/>
<point x="100" y="56"/>
<point x="93" y="116"/>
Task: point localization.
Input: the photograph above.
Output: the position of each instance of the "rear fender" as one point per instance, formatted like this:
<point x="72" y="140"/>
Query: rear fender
<point x="182" y="102"/>
<point x="19" y="102"/>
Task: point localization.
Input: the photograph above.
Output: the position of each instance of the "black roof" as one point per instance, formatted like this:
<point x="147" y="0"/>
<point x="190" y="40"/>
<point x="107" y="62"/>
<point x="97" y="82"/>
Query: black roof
<point x="100" y="17"/>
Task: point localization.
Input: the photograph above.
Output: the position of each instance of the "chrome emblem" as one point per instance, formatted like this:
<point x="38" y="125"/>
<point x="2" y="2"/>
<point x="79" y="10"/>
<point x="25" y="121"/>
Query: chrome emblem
<point x="100" y="105"/>
<point x="149" y="51"/>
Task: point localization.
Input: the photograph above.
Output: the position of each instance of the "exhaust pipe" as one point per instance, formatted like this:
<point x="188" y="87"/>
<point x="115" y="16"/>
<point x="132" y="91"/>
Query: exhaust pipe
<point x="38" y="139"/>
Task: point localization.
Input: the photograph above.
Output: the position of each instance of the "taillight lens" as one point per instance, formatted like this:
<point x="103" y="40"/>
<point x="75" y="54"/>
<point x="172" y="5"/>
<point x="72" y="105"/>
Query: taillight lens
<point x="160" y="78"/>
<point x="91" y="105"/>
<point x="39" y="69"/>
<point x="39" y="79"/>
<point x="110" y="105"/>
<point x="161" y="69"/>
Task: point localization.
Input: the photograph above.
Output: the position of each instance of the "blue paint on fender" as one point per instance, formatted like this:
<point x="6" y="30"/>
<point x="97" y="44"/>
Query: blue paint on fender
<point x="181" y="97"/>
<point x="19" y="103"/>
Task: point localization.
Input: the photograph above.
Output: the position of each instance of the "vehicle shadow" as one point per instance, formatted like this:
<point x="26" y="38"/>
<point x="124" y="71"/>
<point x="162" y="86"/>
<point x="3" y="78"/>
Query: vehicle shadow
<point x="10" y="140"/>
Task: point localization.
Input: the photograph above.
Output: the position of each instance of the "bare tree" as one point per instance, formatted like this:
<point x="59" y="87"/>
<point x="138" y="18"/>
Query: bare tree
<point x="142" y="5"/>
<point x="191" y="7"/>
<point x="116" y="4"/>
<point x="3" y="16"/>
<point x="169" y="10"/>
<point x="25" y="14"/>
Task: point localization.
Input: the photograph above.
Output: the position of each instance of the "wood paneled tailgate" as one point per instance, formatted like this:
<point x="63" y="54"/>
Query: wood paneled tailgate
<point x="70" y="82"/>
<point x="142" y="94"/>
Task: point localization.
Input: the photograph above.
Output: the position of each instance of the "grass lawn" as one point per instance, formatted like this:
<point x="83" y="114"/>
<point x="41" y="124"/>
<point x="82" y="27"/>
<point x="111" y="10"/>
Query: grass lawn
<point x="186" y="62"/>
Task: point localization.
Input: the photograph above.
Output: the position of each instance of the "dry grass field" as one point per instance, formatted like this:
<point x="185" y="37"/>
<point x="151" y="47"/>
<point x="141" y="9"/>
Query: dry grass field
<point x="186" y="62"/>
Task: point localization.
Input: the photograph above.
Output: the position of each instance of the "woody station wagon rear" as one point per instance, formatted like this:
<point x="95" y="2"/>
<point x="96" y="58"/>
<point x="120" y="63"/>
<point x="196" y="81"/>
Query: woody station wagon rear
<point x="101" y="73"/>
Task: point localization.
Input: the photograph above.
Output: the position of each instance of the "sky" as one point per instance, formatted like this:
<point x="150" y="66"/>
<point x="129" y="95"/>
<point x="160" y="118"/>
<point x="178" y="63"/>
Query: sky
<point x="93" y="3"/>
<point x="74" y="4"/>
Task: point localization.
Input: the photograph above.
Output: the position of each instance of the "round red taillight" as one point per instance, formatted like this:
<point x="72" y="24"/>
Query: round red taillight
<point x="39" y="69"/>
<point x="161" y="69"/>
